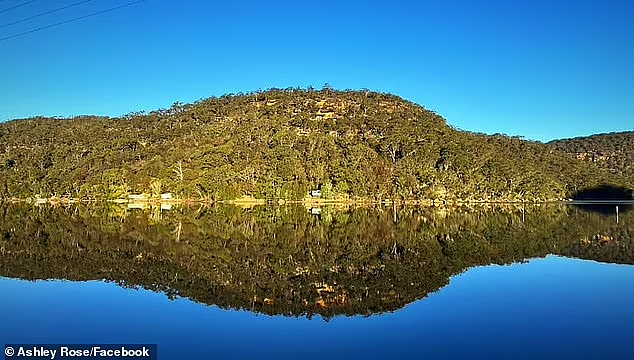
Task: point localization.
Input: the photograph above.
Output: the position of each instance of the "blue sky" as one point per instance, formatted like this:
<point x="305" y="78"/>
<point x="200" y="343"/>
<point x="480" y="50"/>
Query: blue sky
<point x="541" y="69"/>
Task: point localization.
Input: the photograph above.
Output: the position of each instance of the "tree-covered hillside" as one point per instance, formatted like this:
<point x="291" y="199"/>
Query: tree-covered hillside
<point x="614" y="151"/>
<point x="280" y="144"/>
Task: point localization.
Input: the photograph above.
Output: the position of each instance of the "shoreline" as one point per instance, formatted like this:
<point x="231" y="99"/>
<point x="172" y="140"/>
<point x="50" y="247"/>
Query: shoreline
<point x="308" y="202"/>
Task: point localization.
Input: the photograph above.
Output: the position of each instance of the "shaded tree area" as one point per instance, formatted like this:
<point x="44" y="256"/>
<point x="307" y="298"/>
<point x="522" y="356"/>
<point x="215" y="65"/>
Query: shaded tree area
<point x="280" y="144"/>
<point x="605" y="199"/>
<point x="283" y="260"/>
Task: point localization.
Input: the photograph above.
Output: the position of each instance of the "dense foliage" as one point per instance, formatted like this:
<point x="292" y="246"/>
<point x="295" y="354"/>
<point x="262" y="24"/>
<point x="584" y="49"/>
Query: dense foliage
<point x="613" y="151"/>
<point x="280" y="144"/>
<point x="283" y="260"/>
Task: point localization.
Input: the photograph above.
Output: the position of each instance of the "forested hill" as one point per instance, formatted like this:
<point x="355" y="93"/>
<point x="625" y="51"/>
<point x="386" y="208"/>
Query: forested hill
<point x="614" y="151"/>
<point x="282" y="144"/>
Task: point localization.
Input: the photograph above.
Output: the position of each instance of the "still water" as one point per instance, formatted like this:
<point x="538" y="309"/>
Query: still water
<point x="223" y="282"/>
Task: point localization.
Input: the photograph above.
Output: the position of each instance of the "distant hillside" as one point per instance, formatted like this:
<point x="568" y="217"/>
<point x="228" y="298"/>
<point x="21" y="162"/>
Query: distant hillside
<point x="614" y="151"/>
<point x="280" y="144"/>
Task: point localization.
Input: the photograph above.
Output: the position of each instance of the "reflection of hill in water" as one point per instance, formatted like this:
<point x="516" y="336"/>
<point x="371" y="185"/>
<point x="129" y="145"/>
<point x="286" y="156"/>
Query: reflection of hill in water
<point x="284" y="260"/>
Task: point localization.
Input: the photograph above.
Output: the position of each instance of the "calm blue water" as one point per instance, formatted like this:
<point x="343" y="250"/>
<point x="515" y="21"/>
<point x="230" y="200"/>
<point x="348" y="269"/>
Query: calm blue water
<point x="547" y="308"/>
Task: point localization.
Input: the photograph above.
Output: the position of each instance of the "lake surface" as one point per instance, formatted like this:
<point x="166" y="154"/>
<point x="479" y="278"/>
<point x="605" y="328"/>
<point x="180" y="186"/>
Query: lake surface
<point x="290" y="282"/>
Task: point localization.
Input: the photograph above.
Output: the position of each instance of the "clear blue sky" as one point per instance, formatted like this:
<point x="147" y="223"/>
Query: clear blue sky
<point x="541" y="69"/>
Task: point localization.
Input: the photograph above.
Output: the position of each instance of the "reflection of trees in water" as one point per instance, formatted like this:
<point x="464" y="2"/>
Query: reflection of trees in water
<point x="283" y="260"/>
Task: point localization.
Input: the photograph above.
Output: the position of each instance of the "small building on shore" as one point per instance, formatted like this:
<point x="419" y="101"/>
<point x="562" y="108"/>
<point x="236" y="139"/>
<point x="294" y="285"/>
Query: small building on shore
<point x="137" y="197"/>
